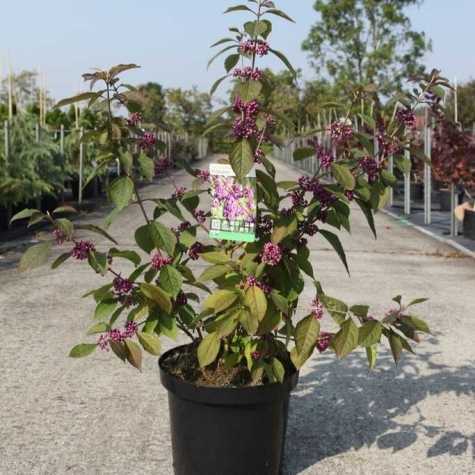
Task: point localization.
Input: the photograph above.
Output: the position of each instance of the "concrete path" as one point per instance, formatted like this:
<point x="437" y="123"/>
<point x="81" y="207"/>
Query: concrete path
<point x="94" y="416"/>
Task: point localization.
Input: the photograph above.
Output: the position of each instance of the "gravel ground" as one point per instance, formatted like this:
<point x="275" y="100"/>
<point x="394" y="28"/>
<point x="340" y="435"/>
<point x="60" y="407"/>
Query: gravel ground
<point x="94" y="416"/>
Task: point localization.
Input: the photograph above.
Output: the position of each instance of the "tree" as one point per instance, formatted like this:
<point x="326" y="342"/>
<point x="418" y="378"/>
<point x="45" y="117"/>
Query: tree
<point x="466" y="104"/>
<point x="187" y="110"/>
<point x="367" y="42"/>
<point x="153" y="104"/>
<point x="25" y="90"/>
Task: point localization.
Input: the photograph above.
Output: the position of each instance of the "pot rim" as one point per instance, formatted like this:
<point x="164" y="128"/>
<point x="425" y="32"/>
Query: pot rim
<point x="226" y="396"/>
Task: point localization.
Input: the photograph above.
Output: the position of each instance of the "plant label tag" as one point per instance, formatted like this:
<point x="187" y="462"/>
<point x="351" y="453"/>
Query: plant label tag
<point x="233" y="205"/>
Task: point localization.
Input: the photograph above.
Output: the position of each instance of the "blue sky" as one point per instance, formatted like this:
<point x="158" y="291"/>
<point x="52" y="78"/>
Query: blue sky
<point x="170" y="39"/>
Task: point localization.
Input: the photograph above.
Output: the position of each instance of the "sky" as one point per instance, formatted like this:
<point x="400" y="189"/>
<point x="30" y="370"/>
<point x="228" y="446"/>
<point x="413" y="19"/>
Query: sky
<point x="171" y="39"/>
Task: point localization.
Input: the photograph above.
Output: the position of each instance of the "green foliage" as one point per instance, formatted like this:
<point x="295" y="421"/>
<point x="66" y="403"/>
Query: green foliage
<point x="248" y="317"/>
<point x="366" y="42"/>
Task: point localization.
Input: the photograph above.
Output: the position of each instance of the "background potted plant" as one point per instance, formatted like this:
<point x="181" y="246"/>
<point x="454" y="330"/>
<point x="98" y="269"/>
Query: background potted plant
<point x="250" y="334"/>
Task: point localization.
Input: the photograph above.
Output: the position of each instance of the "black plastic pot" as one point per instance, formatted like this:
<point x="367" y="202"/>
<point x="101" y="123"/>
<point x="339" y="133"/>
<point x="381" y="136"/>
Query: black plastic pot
<point x="469" y="224"/>
<point x="232" y="431"/>
<point x="444" y="200"/>
<point x="417" y="191"/>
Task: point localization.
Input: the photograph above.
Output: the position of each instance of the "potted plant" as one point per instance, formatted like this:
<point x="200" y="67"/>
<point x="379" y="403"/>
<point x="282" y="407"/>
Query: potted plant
<point x="249" y="331"/>
<point x="453" y="159"/>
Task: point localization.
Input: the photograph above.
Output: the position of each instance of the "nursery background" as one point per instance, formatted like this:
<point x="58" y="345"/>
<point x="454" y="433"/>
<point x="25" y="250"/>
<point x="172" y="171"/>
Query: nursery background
<point x="61" y="415"/>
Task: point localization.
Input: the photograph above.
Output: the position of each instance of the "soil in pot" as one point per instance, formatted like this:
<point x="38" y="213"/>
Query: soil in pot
<point x="221" y="422"/>
<point x="469" y="224"/>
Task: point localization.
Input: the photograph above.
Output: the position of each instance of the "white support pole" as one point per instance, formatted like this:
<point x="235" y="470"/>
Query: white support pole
<point x="453" y="204"/>
<point x="407" y="186"/>
<point x="391" y="189"/>
<point x="81" y="164"/>
<point x="61" y="140"/>
<point x="37" y="132"/>
<point x="428" y="176"/>
<point x="7" y="140"/>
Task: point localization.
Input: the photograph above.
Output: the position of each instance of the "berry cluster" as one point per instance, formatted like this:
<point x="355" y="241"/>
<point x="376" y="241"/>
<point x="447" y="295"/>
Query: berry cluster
<point x="371" y="168"/>
<point x="258" y="47"/>
<point x="158" y="260"/>
<point x="271" y="254"/>
<point x="82" y="249"/>
<point x="117" y="335"/>
<point x="147" y="141"/>
<point x="340" y="131"/>
<point x="248" y="73"/>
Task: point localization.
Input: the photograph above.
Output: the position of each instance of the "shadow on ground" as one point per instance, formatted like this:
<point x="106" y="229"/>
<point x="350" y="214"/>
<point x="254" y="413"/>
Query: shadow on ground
<point x="339" y="407"/>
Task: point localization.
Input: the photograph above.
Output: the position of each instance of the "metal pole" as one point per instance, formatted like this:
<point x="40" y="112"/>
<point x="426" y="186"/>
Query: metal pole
<point x="453" y="204"/>
<point x="7" y="141"/>
<point x="37" y="132"/>
<point x="81" y="164"/>
<point x="61" y="140"/>
<point x="407" y="186"/>
<point x="391" y="189"/>
<point x="428" y="177"/>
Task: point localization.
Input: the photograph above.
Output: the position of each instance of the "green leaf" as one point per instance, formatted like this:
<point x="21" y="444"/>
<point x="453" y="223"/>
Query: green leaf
<point x="84" y="349"/>
<point x="369" y="334"/>
<point x="343" y="176"/>
<point x="226" y="324"/>
<point x="278" y="369"/>
<point x="121" y="191"/>
<point x="119" y="349"/>
<point x="303" y="153"/>
<point x="279" y="13"/>
<point x="242" y="159"/>
<point x="85" y="96"/>
<point x="249" y="321"/>
<point x="256" y="301"/>
<point x="168" y="326"/>
<point x="215" y="257"/>
<point x="214" y="272"/>
<point x="306" y="334"/>
<point x="280" y="301"/>
<point x="334" y="240"/>
<point x="105" y="309"/>
<point x="270" y="322"/>
<point x="98" y="261"/>
<point x="346" y="340"/>
<point x="336" y="308"/>
<point x="249" y="90"/>
<point x="215" y="86"/>
<point x="131" y="256"/>
<point x="284" y="59"/>
<point x="231" y="61"/>
<point x="171" y="280"/>
<point x="24" y="214"/>
<point x="372" y="354"/>
<point x="97" y="230"/>
<point x="418" y="301"/>
<point x="157" y="295"/>
<point x="388" y="178"/>
<point x="368" y="214"/>
<point x="35" y="256"/>
<point x="217" y="55"/>
<point x="395" y="342"/>
<point x="100" y="327"/>
<point x="134" y="354"/>
<point x="208" y="349"/>
<point x="60" y="260"/>
<point x="163" y="237"/>
<point x="146" y="167"/>
<point x="220" y="300"/>
<point x="360" y="310"/>
<point x="416" y="323"/>
<point x="65" y="209"/>
<point x="238" y="8"/>
<point x="150" y="343"/>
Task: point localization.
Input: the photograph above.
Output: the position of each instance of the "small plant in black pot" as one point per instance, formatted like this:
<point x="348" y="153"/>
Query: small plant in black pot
<point x="249" y="331"/>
